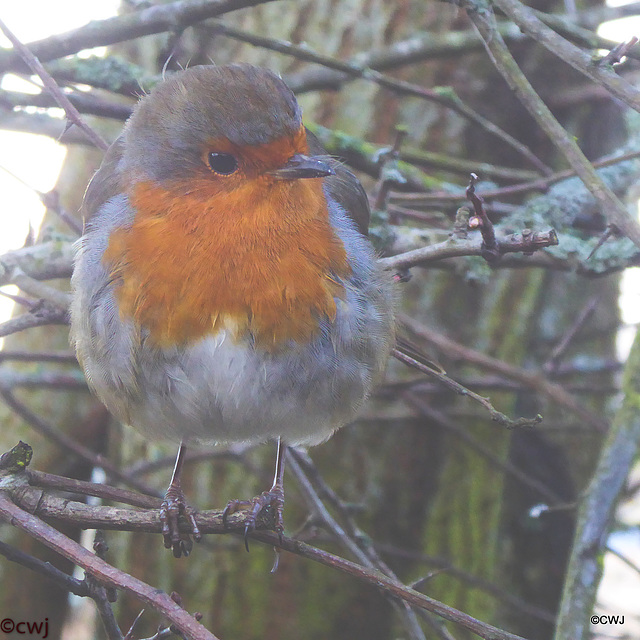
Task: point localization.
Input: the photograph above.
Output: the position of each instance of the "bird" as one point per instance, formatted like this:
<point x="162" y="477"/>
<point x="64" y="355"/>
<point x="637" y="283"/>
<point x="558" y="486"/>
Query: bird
<point x="224" y="288"/>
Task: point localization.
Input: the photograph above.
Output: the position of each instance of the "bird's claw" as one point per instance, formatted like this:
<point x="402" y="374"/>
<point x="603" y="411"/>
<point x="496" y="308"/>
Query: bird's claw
<point x="173" y="506"/>
<point x="273" y="498"/>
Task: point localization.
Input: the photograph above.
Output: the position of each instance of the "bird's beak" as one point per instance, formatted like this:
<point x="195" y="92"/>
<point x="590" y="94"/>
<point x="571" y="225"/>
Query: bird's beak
<point x="301" y="166"/>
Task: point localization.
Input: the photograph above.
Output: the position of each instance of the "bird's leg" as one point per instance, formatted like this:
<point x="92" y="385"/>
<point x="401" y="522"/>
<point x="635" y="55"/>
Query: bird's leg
<point x="174" y="505"/>
<point x="274" y="498"/>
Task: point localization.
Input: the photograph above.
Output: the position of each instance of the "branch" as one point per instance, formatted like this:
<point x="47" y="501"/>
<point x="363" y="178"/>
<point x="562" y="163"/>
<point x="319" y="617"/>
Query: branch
<point x="46" y="569"/>
<point x="490" y="248"/>
<point x="567" y="27"/>
<point x="65" y="510"/>
<point x="527" y="20"/>
<point x="595" y="516"/>
<point x="484" y="20"/>
<point x="86" y="103"/>
<point x="44" y="125"/>
<point x="44" y="261"/>
<point x="506" y="467"/>
<point x="10" y="378"/>
<point x="525" y="242"/>
<point x="539" y="184"/>
<point x="60" y="357"/>
<point x="54" y="90"/>
<point x="104" y="573"/>
<point x="367" y="556"/>
<point x="174" y="16"/>
<point x="441" y="564"/>
<point x="41" y="315"/>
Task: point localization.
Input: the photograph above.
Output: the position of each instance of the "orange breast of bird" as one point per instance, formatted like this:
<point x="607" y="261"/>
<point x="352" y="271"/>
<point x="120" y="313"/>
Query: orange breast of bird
<point x="259" y="257"/>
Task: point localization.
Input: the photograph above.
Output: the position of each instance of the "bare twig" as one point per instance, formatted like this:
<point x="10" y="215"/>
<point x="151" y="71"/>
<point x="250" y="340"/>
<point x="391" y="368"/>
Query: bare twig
<point x="496" y="415"/>
<point x="490" y="249"/>
<point x="106" y="492"/>
<point x="52" y="87"/>
<point x="532" y="379"/>
<point x="388" y="159"/>
<point x="39" y="316"/>
<point x="12" y="378"/>
<point x="445" y="566"/>
<point x="51" y="200"/>
<point x="526" y="242"/>
<point x="560" y="349"/>
<point x="362" y="555"/>
<point x="43" y="261"/>
<point x="527" y="20"/>
<point x="54" y="297"/>
<point x="60" y="357"/>
<point x="618" y="52"/>
<point x="612" y="208"/>
<point x="540" y="184"/>
<point x="624" y="559"/>
<point x="484" y="451"/>
<point x="66" y="582"/>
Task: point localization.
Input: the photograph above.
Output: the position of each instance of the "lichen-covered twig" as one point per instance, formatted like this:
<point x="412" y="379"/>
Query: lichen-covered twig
<point x="596" y="510"/>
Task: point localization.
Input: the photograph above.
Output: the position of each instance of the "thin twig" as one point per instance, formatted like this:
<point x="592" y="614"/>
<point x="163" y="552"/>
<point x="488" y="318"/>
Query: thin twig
<point x="52" y="87"/>
<point x="103" y="491"/>
<point x="560" y="349"/>
<point x="540" y="184"/>
<point x="51" y="199"/>
<point x="532" y="379"/>
<point x="388" y="160"/>
<point x="624" y="559"/>
<point x="490" y="249"/>
<point x="484" y="20"/>
<point x="510" y="470"/>
<point x="42" y="261"/>
<point x="617" y="53"/>
<point x="40" y="316"/>
<point x="496" y="415"/>
<point x="410" y="622"/>
<point x="60" y="578"/>
<point x="527" y="20"/>
<point x="60" y="357"/>
<point x="508" y="598"/>
<point x="12" y="378"/>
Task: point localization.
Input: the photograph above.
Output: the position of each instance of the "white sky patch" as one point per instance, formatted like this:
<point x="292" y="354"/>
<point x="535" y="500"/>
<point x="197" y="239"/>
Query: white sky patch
<point x="36" y="160"/>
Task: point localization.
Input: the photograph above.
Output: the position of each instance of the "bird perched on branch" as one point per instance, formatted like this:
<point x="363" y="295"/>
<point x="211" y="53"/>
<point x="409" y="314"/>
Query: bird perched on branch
<point x="224" y="287"/>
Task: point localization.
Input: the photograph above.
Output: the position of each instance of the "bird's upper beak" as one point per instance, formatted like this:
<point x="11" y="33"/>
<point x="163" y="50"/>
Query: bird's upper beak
<point x="301" y="166"/>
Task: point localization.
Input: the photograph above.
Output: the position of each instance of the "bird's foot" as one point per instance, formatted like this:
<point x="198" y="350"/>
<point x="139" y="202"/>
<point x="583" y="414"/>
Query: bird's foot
<point x="173" y="506"/>
<point x="268" y="506"/>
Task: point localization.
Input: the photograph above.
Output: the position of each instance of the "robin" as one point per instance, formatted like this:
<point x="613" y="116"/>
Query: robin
<point x="224" y="288"/>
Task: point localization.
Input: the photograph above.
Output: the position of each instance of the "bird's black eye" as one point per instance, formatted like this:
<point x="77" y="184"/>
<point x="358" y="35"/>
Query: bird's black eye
<point x="223" y="163"/>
